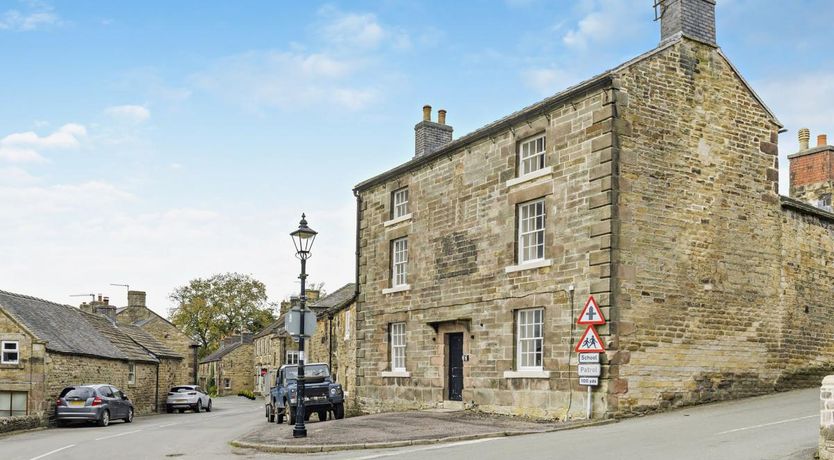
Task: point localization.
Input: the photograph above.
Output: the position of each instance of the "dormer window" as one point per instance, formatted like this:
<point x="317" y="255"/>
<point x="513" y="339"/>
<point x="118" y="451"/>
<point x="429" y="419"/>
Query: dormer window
<point x="531" y="155"/>
<point x="399" y="203"/>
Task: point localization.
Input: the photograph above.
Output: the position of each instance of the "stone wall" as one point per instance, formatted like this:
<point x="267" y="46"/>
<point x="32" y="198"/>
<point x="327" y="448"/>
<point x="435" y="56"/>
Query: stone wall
<point x="169" y="335"/>
<point x="331" y="345"/>
<point x="826" y="442"/>
<point x="29" y="375"/>
<point x="236" y="366"/>
<point x="462" y="203"/>
<point x="24" y="422"/>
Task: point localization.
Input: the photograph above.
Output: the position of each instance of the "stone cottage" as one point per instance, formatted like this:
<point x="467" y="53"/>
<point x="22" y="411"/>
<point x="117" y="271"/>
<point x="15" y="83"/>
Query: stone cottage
<point x="335" y="340"/>
<point x="230" y="367"/>
<point x="137" y="314"/>
<point x="47" y="346"/>
<point x="653" y="187"/>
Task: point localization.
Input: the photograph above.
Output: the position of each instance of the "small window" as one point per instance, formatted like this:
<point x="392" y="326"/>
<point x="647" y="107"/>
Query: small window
<point x="531" y="231"/>
<point x="227" y="383"/>
<point x="397" y="333"/>
<point x="10" y="352"/>
<point x="347" y="324"/>
<point x="399" y="262"/>
<point x="13" y="403"/>
<point x="292" y="357"/>
<point x="531" y="155"/>
<point x="529" y="339"/>
<point x="399" y="203"/>
<point x="825" y="202"/>
<point x="131" y="373"/>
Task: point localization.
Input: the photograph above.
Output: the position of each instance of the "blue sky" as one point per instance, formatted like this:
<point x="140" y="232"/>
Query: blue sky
<point x="154" y="142"/>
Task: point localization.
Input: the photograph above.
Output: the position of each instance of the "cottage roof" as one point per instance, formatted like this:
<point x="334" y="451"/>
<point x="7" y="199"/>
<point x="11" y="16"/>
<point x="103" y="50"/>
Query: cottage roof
<point x="129" y="348"/>
<point x="336" y="301"/>
<point x="226" y="349"/>
<point x="275" y="326"/>
<point x="145" y="321"/>
<point x="602" y="80"/>
<point x="64" y="328"/>
<point x="148" y="342"/>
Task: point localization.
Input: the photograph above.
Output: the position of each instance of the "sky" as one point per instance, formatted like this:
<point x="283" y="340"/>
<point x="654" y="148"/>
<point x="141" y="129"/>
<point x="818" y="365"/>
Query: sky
<point x="150" y="143"/>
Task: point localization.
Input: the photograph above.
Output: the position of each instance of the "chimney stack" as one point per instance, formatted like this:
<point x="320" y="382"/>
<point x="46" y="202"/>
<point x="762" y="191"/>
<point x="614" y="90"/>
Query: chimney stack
<point x="694" y="19"/>
<point x="136" y="298"/>
<point x="822" y="140"/>
<point x="429" y="136"/>
<point x="804" y="138"/>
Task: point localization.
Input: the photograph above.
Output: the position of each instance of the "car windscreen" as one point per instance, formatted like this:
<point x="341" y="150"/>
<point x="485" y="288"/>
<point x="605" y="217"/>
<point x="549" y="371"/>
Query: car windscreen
<point x="77" y="393"/>
<point x="181" y="389"/>
<point x="315" y="370"/>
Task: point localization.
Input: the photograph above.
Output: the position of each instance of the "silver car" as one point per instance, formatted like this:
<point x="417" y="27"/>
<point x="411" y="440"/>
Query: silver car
<point x="93" y="403"/>
<point x="184" y="397"/>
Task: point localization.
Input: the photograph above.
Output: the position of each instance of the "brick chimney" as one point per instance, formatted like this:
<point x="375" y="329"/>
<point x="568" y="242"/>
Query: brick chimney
<point x="812" y="171"/>
<point x="693" y="19"/>
<point x="136" y="298"/>
<point x="429" y="136"/>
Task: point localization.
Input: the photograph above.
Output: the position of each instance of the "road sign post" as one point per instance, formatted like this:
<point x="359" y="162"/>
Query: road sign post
<point x="589" y="347"/>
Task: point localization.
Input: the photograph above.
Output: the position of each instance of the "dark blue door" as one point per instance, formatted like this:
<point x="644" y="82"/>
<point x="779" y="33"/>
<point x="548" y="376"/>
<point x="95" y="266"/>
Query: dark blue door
<point x="455" y="345"/>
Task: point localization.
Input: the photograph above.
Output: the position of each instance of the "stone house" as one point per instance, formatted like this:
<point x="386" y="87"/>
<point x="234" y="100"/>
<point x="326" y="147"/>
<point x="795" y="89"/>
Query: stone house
<point x="653" y="187"/>
<point x="137" y="314"/>
<point x="230" y="367"/>
<point x="47" y="346"/>
<point x="335" y="340"/>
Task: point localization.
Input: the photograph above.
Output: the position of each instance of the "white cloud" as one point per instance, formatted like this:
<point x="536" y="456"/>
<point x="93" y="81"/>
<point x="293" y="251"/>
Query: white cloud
<point x="129" y="113"/>
<point x="547" y="81"/>
<point x="27" y="146"/>
<point x="353" y="29"/>
<point x="287" y="80"/>
<point x="606" y="22"/>
<point x="38" y="15"/>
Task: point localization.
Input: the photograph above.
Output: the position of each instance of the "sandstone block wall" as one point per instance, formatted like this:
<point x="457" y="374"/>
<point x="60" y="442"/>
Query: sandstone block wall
<point x="461" y="238"/>
<point x="29" y="375"/>
<point x="236" y="366"/>
<point x="170" y="336"/>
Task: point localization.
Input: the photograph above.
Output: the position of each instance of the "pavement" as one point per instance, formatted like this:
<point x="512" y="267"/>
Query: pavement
<point x="395" y="429"/>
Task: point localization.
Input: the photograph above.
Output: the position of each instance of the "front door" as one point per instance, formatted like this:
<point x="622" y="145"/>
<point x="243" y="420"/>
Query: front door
<point x="454" y="343"/>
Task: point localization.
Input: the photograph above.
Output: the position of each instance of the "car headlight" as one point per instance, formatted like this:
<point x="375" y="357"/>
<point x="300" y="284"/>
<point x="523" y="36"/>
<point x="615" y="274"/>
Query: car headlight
<point x="335" y="390"/>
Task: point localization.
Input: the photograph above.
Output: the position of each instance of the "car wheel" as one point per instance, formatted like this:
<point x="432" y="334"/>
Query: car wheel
<point x="104" y="420"/>
<point x="129" y="417"/>
<point x="198" y="407"/>
<point x="322" y="415"/>
<point x="270" y="414"/>
<point x="169" y="409"/>
<point x="279" y="417"/>
<point x="60" y="423"/>
<point x="181" y="411"/>
<point x="208" y="408"/>
<point x="291" y="415"/>
<point x="339" y="411"/>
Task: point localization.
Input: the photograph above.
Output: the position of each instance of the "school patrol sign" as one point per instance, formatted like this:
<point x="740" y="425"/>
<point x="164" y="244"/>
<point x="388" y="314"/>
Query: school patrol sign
<point x="590" y="342"/>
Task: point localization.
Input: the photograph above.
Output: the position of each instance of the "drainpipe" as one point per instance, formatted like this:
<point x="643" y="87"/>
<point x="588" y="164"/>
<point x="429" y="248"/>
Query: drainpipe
<point x="358" y="214"/>
<point x="330" y="342"/>
<point x="156" y="400"/>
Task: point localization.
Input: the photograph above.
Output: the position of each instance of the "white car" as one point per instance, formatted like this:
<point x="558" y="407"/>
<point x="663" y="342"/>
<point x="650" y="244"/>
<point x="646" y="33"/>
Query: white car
<point x="184" y="397"/>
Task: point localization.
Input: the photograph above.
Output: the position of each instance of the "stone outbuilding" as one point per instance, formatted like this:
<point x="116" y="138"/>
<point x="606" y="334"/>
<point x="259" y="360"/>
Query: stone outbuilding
<point x="47" y="346"/>
<point x="229" y="368"/>
<point x="653" y="187"/>
<point x="335" y="340"/>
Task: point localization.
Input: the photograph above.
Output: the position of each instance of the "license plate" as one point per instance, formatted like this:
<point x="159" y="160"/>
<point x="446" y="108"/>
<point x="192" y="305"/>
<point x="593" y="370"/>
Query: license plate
<point x="76" y="403"/>
<point x="179" y="400"/>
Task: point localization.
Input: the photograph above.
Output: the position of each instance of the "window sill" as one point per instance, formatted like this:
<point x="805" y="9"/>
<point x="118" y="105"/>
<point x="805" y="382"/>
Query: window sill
<point x="391" y="374"/>
<point x="396" y="221"/>
<point x="526" y="374"/>
<point x="391" y="290"/>
<point x="528" y="266"/>
<point x="17" y="365"/>
<point x="530" y="176"/>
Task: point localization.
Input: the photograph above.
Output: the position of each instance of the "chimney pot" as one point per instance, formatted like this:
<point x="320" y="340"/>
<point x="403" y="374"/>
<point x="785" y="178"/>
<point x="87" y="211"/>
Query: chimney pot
<point x="99" y="297"/>
<point x="441" y="116"/>
<point x="429" y="136"/>
<point x="804" y="137"/>
<point x="822" y="140"/>
<point x="106" y="300"/>
<point x="426" y="112"/>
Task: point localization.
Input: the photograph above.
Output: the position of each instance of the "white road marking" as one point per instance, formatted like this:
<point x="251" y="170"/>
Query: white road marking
<point x="168" y="424"/>
<point x="117" y="435"/>
<point x="767" y="424"/>
<point x="52" y="452"/>
<point x="421" y="449"/>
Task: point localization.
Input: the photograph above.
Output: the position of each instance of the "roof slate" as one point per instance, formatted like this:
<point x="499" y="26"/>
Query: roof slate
<point x="334" y="302"/>
<point x="220" y="353"/>
<point x="65" y="328"/>
<point x="148" y="342"/>
<point x="131" y="350"/>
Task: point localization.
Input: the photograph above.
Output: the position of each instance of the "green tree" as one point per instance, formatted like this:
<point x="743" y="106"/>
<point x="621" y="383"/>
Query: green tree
<point x="213" y="308"/>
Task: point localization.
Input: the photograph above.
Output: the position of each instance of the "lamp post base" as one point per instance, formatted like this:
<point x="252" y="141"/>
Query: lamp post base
<point x="299" y="433"/>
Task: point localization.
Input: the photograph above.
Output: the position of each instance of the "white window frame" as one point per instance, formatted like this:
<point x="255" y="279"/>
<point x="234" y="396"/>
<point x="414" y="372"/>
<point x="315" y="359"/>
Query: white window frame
<point x="291" y="357"/>
<point x="529" y="341"/>
<point x="10" y="408"/>
<point x="4" y="350"/>
<point x="397" y="338"/>
<point x="399" y="262"/>
<point x="227" y="383"/>
<point x="131" y="373"/>
<point x="530" y="235"/>
<point x="534" y="159"/>
<point x="399" y="203"/>
<point x="347" y="324"/>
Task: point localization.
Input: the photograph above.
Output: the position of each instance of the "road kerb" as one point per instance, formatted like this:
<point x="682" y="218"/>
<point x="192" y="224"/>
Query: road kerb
<point x="317" y="448"/>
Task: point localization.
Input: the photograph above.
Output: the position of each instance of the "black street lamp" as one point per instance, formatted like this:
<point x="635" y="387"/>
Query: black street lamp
<point x="303" y="239"/>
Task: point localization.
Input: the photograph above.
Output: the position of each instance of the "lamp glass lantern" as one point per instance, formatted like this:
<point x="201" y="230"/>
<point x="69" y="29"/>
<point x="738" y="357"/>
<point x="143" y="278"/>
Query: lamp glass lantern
<point x="303" y="239"/>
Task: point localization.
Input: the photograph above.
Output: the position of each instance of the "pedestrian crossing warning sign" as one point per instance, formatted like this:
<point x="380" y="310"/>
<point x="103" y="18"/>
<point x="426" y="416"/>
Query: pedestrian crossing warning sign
<point x="591" y="314"/>
<point x="590" y="342"/>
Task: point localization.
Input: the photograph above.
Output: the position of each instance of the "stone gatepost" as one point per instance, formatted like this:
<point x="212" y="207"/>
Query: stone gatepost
<point x="827" y="419"/>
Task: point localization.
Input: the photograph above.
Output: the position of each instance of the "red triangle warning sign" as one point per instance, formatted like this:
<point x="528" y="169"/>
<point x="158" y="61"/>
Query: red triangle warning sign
<point x="590" y="342"/>
<point x="591" y="314"/>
